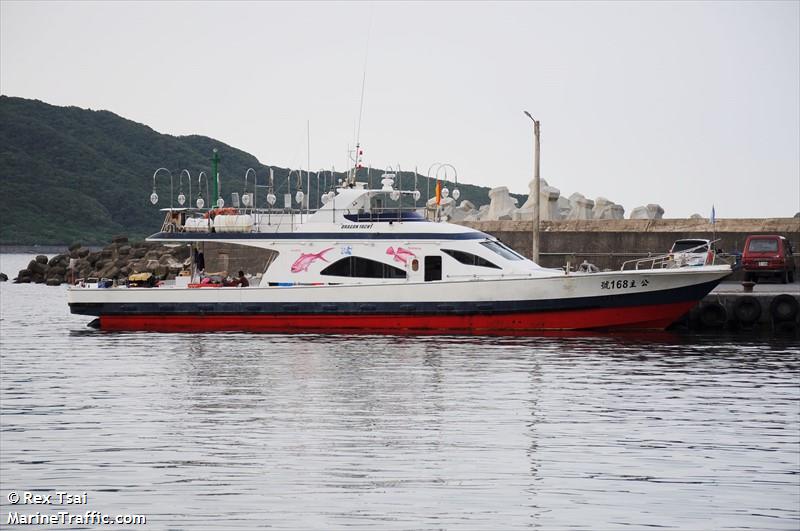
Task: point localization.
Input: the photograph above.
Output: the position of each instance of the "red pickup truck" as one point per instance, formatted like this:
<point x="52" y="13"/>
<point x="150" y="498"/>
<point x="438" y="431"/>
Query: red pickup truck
<point x="769" y="255"/>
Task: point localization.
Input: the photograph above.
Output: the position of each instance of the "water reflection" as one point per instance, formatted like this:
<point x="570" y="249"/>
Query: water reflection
<point x="395" y="432"/>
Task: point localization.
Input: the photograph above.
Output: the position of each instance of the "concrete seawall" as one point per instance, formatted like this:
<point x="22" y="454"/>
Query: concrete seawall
<point x="609" y="243"/>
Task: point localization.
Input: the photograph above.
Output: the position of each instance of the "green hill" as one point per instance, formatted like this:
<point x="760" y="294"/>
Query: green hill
<point x="71" y="174"/>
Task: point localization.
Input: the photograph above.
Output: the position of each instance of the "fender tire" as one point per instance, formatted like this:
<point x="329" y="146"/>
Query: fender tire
<point x="713" y="315"/>
<point x="747" y="310"/>
<point x="783" y="307"/>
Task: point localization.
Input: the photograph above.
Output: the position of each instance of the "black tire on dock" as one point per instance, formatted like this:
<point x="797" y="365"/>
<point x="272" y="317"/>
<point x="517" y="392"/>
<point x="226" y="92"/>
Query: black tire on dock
<point x="713" y="315"/>
<point x="747" y="310"/>
<point x="783" y="307"/>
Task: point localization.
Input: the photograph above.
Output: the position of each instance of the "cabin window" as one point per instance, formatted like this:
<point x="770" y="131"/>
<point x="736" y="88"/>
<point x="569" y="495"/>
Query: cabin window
<point x="469" y="258"/>
<point x="685" y="245"/>
<point x="356" y="266"/>
<point x="502" y="250"/>
<point x="433" y="268"/>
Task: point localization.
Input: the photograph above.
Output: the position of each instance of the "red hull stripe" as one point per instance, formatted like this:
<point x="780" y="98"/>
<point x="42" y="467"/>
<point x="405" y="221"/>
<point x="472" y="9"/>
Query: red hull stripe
<point x="645" y="317"/>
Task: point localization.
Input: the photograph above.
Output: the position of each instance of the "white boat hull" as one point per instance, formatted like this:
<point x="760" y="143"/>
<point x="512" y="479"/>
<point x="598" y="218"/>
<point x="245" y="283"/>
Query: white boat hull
<point x="647" y="299"/>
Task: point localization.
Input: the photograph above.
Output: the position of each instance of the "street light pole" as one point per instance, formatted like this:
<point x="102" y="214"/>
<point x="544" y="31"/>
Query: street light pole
<point x="536" y="189"/>
<point x="215" y="179"/>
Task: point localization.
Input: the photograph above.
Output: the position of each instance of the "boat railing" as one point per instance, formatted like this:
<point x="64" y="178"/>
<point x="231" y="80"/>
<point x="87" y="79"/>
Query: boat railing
<point x="260" y="219"/>
<point x="662" y="261"/>
<point x="280" y="216"/>
<point x="488" y="277"/>
<point x="672" y="260"/>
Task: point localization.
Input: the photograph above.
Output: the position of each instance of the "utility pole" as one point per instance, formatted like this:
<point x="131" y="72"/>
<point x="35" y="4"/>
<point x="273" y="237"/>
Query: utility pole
<point x="536" y="189"/>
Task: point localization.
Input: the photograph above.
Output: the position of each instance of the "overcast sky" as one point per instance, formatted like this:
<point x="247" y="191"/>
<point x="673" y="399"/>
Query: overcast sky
<point x="683" y="104"/>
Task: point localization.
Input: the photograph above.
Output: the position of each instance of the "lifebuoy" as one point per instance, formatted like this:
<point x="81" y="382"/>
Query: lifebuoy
<point x="783" y="308"/>
<point x="747" y="310"/>
<point x="713" y="315"/>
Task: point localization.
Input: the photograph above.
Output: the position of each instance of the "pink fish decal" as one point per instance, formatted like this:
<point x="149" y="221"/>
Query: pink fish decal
<point x="306" y="259"/>
<point x="400" y="255"/>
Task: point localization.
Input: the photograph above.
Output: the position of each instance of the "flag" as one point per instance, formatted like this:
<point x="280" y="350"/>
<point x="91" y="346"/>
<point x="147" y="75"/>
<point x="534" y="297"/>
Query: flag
<point x="713" y="215"/>
<point x="438" y="192"/>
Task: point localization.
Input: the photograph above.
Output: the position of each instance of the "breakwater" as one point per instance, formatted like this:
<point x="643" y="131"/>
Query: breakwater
<point x="122" y="258"/>
<point x="114" y="261"/>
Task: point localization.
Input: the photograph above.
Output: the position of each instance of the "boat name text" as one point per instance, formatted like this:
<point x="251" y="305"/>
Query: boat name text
<point x="623" y="284"/>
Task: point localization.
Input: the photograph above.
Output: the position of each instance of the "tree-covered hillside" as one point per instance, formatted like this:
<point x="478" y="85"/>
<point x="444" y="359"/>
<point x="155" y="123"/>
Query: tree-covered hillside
<point x="71" y="174"/>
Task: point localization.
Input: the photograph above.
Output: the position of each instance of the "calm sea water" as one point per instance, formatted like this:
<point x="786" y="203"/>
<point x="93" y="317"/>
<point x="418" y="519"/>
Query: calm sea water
<point x="237" y="431"/>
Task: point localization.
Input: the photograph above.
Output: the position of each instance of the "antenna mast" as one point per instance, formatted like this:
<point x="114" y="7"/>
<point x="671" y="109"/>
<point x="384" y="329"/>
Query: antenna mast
<point x="358" y="152"/>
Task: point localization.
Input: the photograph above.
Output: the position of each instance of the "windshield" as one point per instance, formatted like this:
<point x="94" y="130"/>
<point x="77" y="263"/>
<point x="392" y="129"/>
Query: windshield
<point x="763" y="246"/>
<point x="685" y="245"/>
<point x="502" y="250"/>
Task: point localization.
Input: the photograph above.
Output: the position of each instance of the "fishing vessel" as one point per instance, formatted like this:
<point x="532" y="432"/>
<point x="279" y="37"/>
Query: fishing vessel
<point x="366" y="261"/>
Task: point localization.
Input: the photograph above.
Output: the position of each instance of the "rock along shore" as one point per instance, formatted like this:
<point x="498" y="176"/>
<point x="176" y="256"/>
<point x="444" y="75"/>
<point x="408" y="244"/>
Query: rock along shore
<point x="114" y="261"/>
